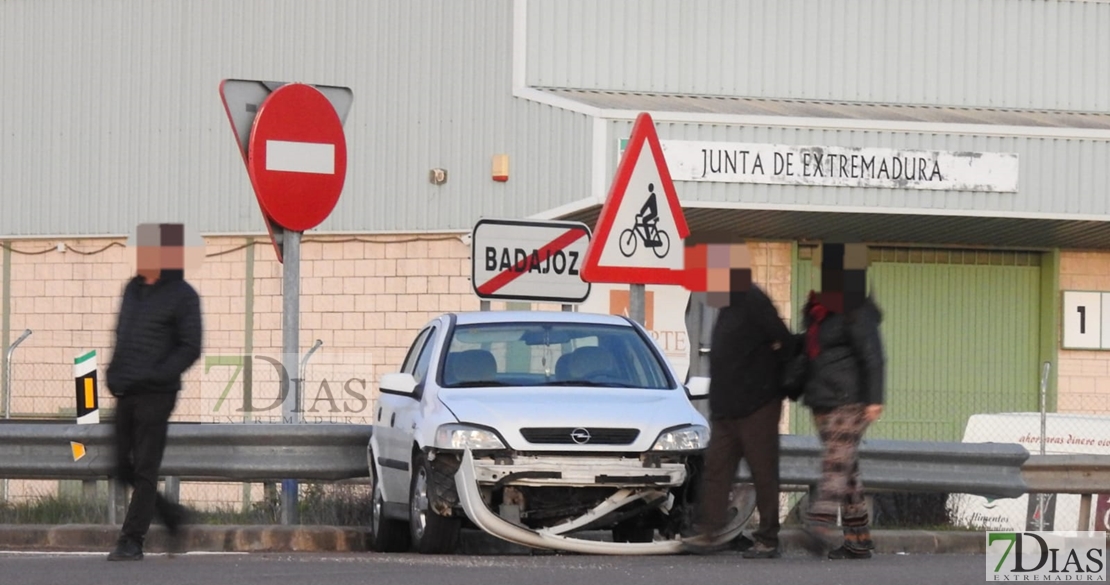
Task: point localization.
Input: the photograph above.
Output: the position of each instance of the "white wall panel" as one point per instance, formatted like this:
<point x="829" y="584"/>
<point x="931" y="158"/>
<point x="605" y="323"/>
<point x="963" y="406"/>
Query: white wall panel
<point x="111" y="113"/>
<point x="1034" y="54"/>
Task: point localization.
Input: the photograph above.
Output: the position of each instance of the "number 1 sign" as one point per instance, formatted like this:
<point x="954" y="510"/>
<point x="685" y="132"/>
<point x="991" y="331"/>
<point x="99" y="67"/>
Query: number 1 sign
<point x="1086" y="320"/>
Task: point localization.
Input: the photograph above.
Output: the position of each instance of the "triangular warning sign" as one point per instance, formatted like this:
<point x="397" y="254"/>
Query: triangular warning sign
<point x="639" y="234"/>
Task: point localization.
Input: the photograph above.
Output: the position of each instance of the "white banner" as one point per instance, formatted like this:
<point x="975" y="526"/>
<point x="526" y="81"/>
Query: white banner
<point x="835" y="166"/>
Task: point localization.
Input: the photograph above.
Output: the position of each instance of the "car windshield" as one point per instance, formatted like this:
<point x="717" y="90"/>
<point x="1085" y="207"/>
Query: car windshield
<point x="551" y="354"/>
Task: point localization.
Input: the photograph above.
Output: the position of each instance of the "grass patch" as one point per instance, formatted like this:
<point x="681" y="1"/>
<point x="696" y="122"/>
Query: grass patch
<point x="54" y="510"/>
<point x="319" y="505"/>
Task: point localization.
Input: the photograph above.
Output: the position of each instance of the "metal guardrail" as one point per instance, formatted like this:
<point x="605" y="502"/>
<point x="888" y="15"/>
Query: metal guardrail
<point x="986" y="469"/>
<point x="331" y="452"/>
<point x="1085" y="475"/>
<point x="194" y="452"/>
<point x="336" y="452"/>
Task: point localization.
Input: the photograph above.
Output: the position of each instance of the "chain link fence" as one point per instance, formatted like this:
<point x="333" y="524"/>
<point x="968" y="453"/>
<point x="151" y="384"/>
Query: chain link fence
<point x="336" y="386"/>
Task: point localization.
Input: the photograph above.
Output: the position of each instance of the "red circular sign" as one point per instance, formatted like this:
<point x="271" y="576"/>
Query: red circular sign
<point x="297" y="157"/>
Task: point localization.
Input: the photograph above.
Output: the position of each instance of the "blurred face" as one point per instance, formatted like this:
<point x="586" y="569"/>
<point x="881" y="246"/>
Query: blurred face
<point x="728" y="270"/>
<point x="159" y="247"/>
<point x="843" y="276"/>
<point x="149" y="260"/>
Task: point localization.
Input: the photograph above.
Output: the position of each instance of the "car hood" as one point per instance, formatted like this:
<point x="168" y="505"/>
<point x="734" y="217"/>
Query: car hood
<point x="561" y="409"/>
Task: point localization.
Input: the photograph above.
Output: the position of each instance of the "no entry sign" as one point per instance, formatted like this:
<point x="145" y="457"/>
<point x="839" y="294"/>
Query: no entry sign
<point x="297" y="157"/>
<point x="299" y="152"/>
<point x="537" y="261"/>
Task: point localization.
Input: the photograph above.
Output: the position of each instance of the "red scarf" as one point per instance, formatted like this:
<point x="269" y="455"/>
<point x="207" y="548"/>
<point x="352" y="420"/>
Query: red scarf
<point x="817" y="313"/>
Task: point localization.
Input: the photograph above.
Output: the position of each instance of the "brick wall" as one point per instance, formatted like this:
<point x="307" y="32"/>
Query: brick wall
<point x="1084" y="376"/>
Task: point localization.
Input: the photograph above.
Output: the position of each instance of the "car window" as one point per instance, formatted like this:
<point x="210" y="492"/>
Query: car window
<point x="414" y="351"/>
<point x="425" y="357"/>
<point x="561" y="354"/>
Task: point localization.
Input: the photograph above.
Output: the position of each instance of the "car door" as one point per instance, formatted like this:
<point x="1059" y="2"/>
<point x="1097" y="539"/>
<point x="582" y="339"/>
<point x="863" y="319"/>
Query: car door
<point x="393" y="459"/>
<point x="409" y="410"/>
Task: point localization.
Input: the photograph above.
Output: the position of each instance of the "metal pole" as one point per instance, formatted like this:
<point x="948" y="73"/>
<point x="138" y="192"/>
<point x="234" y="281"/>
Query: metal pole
<point x="304" y="362"/>
<point x="636" y="300"/>
<point x="568" y="308"/>
<point x="484" y="305"/>
<point x="248" y="351"/>
<point x="8" y="381"/>
<point x="290" y="332"/>
<point x="1044" y="428"/>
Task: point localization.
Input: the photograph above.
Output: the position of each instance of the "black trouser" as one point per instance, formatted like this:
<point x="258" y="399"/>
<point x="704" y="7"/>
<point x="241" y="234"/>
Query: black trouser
<point x="754" y="438"/>
<point x="141" y="425"/>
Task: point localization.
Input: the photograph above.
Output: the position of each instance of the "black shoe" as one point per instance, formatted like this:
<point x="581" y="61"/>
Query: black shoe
<point x="126" y="550"/>
<point x="762" y="551"/>
<point x="847" y="553"/>
<point x="742" y="543"/>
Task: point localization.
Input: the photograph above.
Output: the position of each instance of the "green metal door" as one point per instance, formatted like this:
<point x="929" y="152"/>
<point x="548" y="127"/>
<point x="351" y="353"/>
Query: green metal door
<point x="961" y="330"/>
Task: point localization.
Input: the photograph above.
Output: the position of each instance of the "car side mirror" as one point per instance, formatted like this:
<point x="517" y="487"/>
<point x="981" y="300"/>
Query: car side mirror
<point x="698" y="388"/>
<point x="398" y="383"/>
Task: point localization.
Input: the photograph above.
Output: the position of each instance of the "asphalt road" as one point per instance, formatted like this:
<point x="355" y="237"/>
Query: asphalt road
<point x="413" y="569"/>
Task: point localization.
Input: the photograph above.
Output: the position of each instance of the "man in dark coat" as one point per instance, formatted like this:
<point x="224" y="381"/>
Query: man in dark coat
<point x="845" y="392"/>
<point x="745" y="399"/>
<point x="157" y="338"/>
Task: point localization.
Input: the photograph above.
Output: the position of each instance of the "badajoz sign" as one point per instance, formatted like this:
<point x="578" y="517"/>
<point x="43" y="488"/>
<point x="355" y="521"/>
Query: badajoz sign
<point x="1063" y="556"/>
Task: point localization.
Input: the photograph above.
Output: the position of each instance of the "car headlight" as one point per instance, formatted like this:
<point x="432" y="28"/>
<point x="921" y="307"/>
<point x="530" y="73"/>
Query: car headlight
<point x="691" y="438"/>
<point x="460" y="437"/>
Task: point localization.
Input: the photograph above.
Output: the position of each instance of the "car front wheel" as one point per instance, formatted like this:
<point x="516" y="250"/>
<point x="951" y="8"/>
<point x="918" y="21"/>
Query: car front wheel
<point x="430" y="532"/>
<point x="386" y="534"/>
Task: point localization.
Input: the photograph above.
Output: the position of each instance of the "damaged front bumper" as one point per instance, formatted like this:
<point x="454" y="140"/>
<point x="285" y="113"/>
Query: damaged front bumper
<point x="643" y="484"/>
<point x="544" y="471"/>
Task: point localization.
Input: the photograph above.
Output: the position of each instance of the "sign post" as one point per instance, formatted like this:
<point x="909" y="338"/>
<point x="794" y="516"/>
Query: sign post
<point x="535" y="261"/>
<point x="641" y="226"/>
<point x="292" y="141"/>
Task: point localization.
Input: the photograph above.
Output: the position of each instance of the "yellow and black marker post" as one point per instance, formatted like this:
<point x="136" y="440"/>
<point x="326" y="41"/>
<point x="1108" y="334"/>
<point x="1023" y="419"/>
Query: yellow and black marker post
<point x="84" y="374"/>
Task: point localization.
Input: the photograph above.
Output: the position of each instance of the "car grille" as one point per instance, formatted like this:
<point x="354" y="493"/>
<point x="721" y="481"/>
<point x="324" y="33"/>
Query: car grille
<point x="563" y="436"/>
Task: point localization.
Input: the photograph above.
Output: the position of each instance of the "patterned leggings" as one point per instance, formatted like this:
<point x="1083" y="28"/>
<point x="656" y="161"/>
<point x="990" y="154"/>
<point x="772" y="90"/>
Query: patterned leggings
<point x="841" y="431"/>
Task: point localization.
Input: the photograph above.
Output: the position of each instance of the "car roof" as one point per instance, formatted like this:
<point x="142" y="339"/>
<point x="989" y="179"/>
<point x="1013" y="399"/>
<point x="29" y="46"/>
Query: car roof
<point x="478" y="317"/>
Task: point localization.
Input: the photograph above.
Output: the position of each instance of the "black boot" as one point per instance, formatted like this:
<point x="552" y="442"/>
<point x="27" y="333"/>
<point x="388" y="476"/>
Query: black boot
<point x="126" y="550"/>
<point x="847" y="553"/>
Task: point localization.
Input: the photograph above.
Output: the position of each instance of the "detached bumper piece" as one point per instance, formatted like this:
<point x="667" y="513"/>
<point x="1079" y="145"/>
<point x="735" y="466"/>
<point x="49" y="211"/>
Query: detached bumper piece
<point x="579" y="472"/>
<point x="552" y="538"/>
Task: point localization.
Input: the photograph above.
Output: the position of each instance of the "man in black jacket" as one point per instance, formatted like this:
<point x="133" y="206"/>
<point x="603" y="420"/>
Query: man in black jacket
<point x="157" y="338"/>
<point x="745" y="399"/>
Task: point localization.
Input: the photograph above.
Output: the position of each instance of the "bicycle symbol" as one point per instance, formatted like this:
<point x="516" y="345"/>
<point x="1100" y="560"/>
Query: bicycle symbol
<point x="646" y="231"/>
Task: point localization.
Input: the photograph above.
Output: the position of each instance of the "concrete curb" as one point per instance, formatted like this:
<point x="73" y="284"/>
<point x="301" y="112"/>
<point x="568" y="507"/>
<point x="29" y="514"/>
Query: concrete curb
<point x="203" y="538"/>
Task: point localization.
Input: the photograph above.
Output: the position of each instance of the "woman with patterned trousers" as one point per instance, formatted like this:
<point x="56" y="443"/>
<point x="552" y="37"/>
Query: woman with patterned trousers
<point x="844" y="390"/>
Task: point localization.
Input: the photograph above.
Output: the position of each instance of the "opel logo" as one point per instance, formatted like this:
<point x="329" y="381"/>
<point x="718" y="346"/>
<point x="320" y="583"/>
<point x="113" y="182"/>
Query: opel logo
<point x="580" y="436"/>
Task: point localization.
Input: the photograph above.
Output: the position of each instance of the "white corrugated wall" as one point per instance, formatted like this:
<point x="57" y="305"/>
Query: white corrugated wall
<point x="111" y="113"/>
<point x="1037" y="54"/>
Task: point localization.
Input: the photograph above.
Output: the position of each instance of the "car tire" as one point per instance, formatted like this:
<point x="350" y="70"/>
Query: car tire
<point x="386" y="534"/>
<point x="430" y="532"/>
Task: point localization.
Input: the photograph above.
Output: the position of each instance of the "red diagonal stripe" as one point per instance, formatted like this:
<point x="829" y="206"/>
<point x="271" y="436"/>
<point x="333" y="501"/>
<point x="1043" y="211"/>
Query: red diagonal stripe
<point x="520" y="268"/>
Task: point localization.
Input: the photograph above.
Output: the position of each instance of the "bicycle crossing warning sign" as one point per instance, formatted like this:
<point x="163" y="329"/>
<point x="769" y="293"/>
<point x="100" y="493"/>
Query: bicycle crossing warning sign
<point x="639" y="234"/>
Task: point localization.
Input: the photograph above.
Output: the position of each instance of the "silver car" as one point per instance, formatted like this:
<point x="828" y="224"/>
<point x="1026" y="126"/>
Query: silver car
<point x="534" y="426"/>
